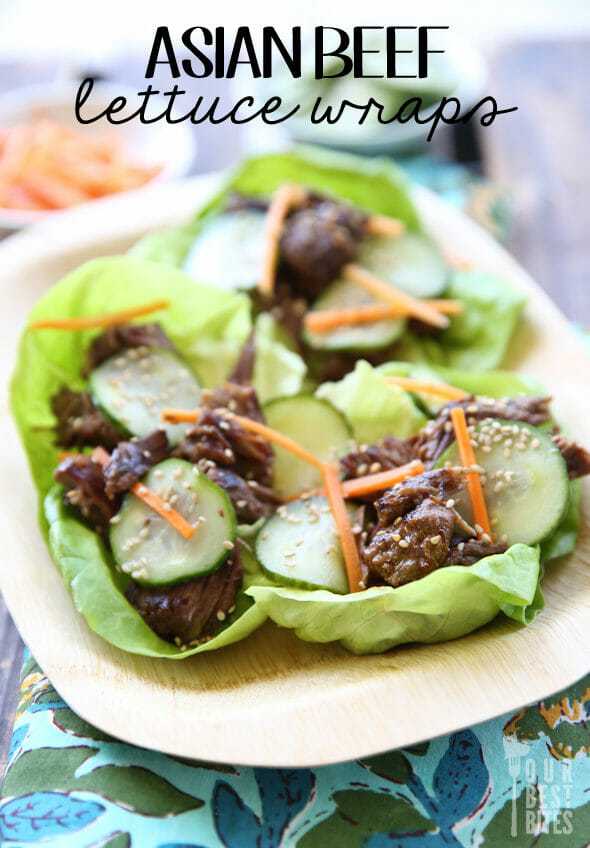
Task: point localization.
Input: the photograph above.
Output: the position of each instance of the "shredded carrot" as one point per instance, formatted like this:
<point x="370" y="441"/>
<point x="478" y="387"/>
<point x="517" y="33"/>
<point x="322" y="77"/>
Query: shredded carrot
<point x="179" y="416"/>
<point x="396" y="297"/>
<point x="45" y="165"/>
<point x="381" y="480"/>
<point x="381" y="225"/>
<point x="328" y="319"/>
<point x="370" y="483"/>
<point x="478" y="504"/>
<point x="349" y="547"/>
<point x="86" y="322"/>
<point x="442" y="389"/>
<point x="175" y="416"/>
<point x="287" y="196"/>
<point x="152" y="500"/>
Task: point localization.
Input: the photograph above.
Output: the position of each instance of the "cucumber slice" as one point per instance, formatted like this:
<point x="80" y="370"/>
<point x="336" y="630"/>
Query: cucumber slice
<point x="299" y="546"/>
<point x="148" y="548"/>
<point x="314" y="424"/>
<point x="342" y="294"/>
<point x="228" y="251"/>
<point x="526" y="488"/>
<point x="411" y="262"/>
<point x="133" y="387"/>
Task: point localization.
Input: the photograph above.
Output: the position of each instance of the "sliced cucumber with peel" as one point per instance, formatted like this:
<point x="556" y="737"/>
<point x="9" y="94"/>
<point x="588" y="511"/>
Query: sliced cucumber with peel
<point x="228" y="252"/>
<point x="134" y="386"/>
<point x="526" y="489"/>
<point x="299" y="546"/>
<point x="315" y="425"/>
<point x="147" y="547"/>
<point x="342" y="294"/>
<point x="411" y="262"/>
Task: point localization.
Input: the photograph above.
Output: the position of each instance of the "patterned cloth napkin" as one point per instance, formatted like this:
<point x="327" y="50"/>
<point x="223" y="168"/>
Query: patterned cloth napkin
<point x="519" y="780"/>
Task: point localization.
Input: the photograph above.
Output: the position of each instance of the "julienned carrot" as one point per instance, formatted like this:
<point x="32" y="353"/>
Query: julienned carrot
<point x="329" y="319"/>
<point x="414" y="307"/>
<point x="152" y="500"/>
<point x="350" y="552"/>
<point x="175" y="416"/>
<point x="381" y="225"/>
<point x="428" y="386"/>
<point x="381" y="480"/>
<point x="86" y="322"/>
<point x="478" y="504"/>
<point x="370" y="483"/>
<point x="285" y="198"/>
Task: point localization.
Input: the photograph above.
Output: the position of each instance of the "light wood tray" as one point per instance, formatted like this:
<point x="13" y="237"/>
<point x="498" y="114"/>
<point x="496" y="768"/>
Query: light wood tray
<point x="273" y="699"/>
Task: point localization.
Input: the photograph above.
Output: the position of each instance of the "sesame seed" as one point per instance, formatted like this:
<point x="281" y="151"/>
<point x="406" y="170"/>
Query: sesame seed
<point x="535" y="443"/>
<point x="264" y="536"/>
<point x="478" y="529"/>
<point x="434" y="540"/>
<point x="450" y="503"/>
<point x="363" y="468"/>
<point x="404" y="543"/>
<point x="289" y="554"/>
<point x="298" y="543"/>
<point x="220" y="615"/>
<point x="115" y="519"/>
<point x="504" y="537"/>
<point x="499" y="486"/>
<point x="228" y="545"/>
<point x="228" y="453"/>
<point x="485" y="538"/>
<point x="396" y="537"/>
<point x="448" y="427"/>
<point x="167" y="507"/>
<point x="460" y="546"/>
<point x="144" y="532"/>
<point x="375" y="467"/>
<point x="507" y="453"/>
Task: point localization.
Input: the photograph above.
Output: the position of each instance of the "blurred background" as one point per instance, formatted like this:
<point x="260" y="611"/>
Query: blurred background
<point x="525" y="178"/>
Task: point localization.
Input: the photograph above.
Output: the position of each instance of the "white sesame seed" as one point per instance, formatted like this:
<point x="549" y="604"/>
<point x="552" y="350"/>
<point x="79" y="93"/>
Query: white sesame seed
<point x="478" y="529"/>
<point x="228" y="545"/>
<point x="375" y="467"/>
<point x="450" y="503"/>
<point x="460" y="546"/>
<point x="434" y="540"/>
<point x="404" y="543"/>
<point x="220" y="615"/>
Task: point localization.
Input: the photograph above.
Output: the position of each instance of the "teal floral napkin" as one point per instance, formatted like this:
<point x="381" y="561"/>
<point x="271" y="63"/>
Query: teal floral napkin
<point x="520" y="780"/>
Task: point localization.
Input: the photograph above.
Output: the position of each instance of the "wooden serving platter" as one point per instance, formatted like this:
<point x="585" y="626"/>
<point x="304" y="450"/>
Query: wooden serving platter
<point x="274" y="700"/>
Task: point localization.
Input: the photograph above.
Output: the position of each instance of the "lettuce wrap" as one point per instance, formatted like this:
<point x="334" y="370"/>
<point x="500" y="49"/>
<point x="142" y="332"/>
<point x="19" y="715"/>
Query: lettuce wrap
<point x="203" y="323"/>
<point x="476" y="339"/>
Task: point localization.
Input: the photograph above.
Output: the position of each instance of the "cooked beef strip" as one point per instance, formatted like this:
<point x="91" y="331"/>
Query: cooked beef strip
<point x="441" y="484"/>
<point x="193" y="609"/>
<point x="131" y="460"/>
<point x="244" y="367"/>
<point x="576" y="457"/>
<point x="80" y="423"/>
<point x="119" y="337"/>
<point x="470" y="551"/>
<point x="218" y="443"/>
<point x="431" y="442"/>
<point x="414" y="545"/>
<point x="318" y="241"/>
<point x="251" y="501"/>
<point x="85" y="490"/>
<point x="387" y="453"/>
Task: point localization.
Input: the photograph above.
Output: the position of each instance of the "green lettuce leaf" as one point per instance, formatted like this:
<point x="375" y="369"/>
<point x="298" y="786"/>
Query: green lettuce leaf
<point x="445" y="604"/>
<point x="373" y="407"/>
<point x="478" y="337"/>
<point x="374" y="184"/>
<point x="490" y="383"/>
<point x="278" y="371"/>
<point x="97" y="589"/>
<point x="198" y="320"/>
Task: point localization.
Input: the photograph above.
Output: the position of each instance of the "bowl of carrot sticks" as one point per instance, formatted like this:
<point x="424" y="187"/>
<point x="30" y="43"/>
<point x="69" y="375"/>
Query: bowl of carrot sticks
<point x="49" y="161"/>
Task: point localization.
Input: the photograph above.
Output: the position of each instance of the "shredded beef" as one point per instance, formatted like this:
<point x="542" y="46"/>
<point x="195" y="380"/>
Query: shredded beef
<point x="470" y="551"/>
<point x="120" y="337"/>
<point x="414" y="545"/>
<point x="318" y="241"/>
<point x="131" y="460"/>
<point x="193" y="609"/>
<point x="80" y="423"/>
<point x="431" y="442"/>
<point x="85" y="490"/>
<point x="251" y="501"/>
<point x="244" y="367"/>
<point x="386" y="453"/>
<point x="440" y="484"/>
<point x="576" y="457"/>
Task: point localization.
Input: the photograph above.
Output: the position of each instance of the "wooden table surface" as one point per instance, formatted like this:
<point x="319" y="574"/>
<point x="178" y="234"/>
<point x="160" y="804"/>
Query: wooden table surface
<point x="540" y="154"/>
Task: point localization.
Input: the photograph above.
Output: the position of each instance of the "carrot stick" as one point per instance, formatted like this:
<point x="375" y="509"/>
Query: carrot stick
<point x="478" y="504"/>
<point x="176" y="416"/>
<point x="414" y="307"/>
<point x="347" y="540"/>
<point x="442" y="389"/>
<point x="382" y="225"/>
<point x="328" y="319"/>
<point x="152" y="500"/>
<point x="371" y="482"/>
<point x="285" y="198"/>
<point x="88" y="321"/>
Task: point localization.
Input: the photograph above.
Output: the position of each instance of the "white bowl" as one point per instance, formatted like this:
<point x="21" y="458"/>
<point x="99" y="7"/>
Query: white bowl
<point x="172" y="147"/>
